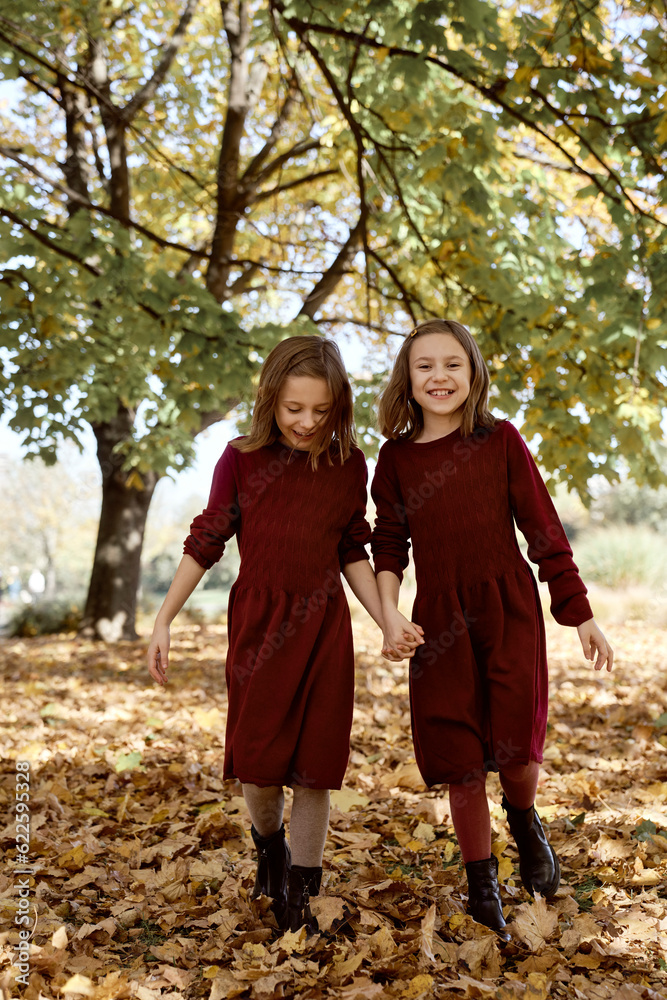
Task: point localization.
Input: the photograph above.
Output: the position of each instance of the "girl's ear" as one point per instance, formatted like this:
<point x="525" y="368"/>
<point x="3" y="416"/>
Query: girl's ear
<point x="259" y="392"/>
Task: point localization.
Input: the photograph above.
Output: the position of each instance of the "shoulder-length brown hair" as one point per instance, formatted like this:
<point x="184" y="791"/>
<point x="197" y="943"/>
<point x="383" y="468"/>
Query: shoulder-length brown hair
<point x="294" y="357"/>
<point x="398" y="413"/>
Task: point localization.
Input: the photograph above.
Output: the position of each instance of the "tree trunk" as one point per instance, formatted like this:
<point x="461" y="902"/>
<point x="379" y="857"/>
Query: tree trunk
<point x="111" y="605"/>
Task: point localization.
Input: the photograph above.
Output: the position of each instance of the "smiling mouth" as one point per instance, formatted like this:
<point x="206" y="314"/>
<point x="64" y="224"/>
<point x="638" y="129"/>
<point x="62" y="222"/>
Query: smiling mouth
<point x="440" y="393"/>
<point x="309" y="435"/>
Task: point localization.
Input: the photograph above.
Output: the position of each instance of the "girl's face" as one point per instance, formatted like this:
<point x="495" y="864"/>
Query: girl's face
<point x="303" y="402"/>
<point x="440" y="374"/>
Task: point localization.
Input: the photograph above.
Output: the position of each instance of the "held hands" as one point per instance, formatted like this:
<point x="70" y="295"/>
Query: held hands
<point x="593" y="641"/>
<point x="400" y="636"/>
<point x="157" y="657"/>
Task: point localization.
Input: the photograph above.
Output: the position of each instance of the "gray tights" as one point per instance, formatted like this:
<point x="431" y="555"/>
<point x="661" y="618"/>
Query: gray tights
<point x="308" y="825"/>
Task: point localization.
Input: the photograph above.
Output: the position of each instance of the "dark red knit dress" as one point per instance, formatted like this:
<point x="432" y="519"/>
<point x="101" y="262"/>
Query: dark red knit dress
<point x="478" y="685"/>
<point x="290" y="663"/>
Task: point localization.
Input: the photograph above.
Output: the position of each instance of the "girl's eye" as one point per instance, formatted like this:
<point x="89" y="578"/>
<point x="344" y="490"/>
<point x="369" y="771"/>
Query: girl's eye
<point x="291" y="411"/>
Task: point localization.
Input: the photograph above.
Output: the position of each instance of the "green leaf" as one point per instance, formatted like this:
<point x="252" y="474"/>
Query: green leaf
<point x="644" y="830"/>
<point x="128" y="761"/>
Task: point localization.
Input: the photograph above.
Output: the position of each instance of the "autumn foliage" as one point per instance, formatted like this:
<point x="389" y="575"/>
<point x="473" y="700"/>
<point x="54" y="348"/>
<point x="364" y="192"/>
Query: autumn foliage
<point x="144" y="864"/>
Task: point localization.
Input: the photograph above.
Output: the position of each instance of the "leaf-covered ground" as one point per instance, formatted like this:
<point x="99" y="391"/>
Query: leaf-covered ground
<point x="144" y="864"/>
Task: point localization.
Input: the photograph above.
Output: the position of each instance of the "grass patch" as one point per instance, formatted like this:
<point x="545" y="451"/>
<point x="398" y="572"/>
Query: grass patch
<point x="411" y="871"/>
<point x="584" y="891"/>
<point x="151" y="933"/>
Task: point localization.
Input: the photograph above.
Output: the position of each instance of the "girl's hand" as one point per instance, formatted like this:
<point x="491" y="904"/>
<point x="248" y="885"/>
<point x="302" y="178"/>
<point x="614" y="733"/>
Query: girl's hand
<point x="593" y="641"/>
<point x="157" y="657"/>
<point x="400" y="636"/>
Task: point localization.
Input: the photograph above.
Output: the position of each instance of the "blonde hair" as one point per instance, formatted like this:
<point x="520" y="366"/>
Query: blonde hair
<point x="314" y="357"/>
<point x="401" y="416"/>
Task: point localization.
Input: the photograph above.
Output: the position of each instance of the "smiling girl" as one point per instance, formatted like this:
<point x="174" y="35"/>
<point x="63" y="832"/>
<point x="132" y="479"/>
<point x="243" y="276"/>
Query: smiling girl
<point x="455" y="481"/>
<point x="294" y="493"/>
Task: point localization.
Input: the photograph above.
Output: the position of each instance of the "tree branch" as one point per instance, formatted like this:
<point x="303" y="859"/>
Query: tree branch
<point x="39" y="86"/>
<point x="85" y="203"/>
<point x="231" y="198"/>
<point x="45" y="241"/>
<point x="253" y="167"/>
<point x="398" y="283"/>
<point x="343" y="320"/>
<point x="288" y="185"/>
<point x="297" y="150"/>
<point x="361" y="227"/>
<point x="149" y="89"/>
<point x="491" y="93"/>
<point x="332" y="276"/>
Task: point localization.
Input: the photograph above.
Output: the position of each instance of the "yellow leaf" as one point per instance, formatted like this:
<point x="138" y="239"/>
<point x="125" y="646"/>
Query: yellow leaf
<point x="523" y="73"/>
<point x="75" y="859"/>
<point x="424" y="832"/>
<point x="78" y="984"/>
<point x="292" y="941"/>
<point x="661" y="131"/>
<point x="449" y="851"/>
<point x="134" y="481"/>
<point x="405" y="776"/>
<point x="346" y="799"/>
<point x="505" y="869"/>
<point x="535" y="923"/>
<point x="419" y="986"/>
<point x="382" y="942"/>
<point x="59" y="938"/>
<point x="537" y="986"/>
<point x="207" y="720"/>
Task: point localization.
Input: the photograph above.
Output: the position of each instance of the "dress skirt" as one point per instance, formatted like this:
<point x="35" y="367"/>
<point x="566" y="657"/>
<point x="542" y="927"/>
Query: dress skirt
<point x="290" y="681"/>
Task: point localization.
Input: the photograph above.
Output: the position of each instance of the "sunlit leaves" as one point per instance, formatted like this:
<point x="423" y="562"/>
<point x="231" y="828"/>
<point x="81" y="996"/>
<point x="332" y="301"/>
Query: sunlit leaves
<point x="509" y="160"/>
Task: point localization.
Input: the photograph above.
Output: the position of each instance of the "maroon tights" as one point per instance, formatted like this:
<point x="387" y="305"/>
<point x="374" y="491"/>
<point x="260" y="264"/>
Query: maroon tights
<point x="470" y="808"/>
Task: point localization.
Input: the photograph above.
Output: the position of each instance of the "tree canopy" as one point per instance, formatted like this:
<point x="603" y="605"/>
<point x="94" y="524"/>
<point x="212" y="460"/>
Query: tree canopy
<point x="177" y="195"/>
<point x="181" y="187"/>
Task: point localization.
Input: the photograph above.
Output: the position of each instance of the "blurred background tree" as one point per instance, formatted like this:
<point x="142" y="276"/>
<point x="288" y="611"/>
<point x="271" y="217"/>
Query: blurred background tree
<point x="182" y="187"/>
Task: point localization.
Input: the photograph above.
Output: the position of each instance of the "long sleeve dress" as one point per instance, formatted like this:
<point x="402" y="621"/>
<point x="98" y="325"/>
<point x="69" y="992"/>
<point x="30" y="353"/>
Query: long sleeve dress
<point x="478" y="684"/>
<point x="290" y="661"/>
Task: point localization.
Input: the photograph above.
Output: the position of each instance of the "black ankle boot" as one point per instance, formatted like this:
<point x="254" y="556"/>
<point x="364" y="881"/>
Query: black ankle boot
<point x="273" y="864"/>
<point x="302" y="883"/>
<point x="538" y="864"/>
<point x="484" y="903"/>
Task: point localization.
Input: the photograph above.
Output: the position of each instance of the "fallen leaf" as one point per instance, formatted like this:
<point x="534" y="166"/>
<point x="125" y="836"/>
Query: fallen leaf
<point x="78" y="984"/>
<point x="534" y="923"/>
<point x="347" y="799"/>
<point x="328" y="910"/>
<point x="420" y="986"/>
<point x="59" y="938"/>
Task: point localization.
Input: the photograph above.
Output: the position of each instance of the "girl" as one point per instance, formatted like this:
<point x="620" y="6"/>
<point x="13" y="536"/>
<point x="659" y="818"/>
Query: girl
<point x="294" y="493"/>
<point x="455" y="480"/>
